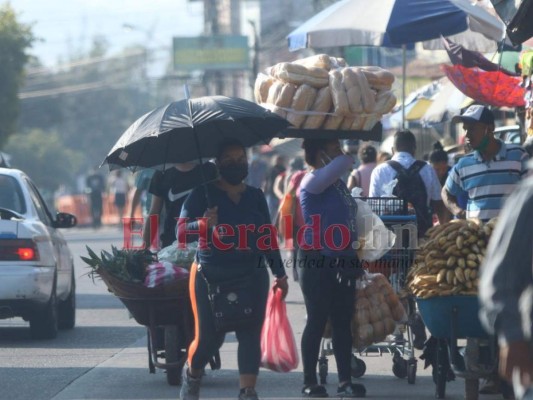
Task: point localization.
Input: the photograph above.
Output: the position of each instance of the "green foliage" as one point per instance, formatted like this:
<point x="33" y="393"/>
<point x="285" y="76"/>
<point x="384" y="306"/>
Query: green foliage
<point x="15" y="39"/>
<point x="43" y="156"/>
<point x="91" y="102"/>
<point x="126" y="265"/>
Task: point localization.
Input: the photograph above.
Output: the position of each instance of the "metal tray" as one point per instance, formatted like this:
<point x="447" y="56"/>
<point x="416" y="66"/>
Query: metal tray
<point x="374" y="134"/>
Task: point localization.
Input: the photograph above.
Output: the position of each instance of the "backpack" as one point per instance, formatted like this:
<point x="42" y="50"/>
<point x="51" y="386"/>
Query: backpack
<point x="412" y="189"/>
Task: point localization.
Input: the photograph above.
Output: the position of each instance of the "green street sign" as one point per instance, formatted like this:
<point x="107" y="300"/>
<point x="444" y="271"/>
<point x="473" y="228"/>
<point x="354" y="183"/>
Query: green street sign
<point x="222" y="52"/>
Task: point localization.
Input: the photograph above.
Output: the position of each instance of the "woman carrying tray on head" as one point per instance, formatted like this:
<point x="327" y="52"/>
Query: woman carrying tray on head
<point x="327" y="263"/>
<point x="228" y="254"/>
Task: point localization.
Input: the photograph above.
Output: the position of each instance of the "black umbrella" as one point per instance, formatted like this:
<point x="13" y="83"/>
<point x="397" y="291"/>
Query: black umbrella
<point x="191" y="129"/>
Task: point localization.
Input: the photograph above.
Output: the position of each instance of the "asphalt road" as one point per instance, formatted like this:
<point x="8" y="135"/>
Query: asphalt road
<point x="105" y="355"/>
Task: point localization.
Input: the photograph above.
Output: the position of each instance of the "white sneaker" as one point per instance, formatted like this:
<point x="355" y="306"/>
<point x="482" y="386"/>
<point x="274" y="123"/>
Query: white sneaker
<point x="190" y="387"/>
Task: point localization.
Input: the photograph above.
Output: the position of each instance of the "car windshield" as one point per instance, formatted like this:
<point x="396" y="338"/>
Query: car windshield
<point x="10" y="194"/>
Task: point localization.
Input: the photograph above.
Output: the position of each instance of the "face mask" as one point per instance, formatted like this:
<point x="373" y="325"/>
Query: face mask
<point x="234" y="173"/>
<point x="483" y="144"/>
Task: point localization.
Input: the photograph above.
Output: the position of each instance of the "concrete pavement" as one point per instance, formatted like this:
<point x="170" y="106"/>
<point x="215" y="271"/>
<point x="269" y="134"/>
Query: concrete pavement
<point x="125" y="375"/>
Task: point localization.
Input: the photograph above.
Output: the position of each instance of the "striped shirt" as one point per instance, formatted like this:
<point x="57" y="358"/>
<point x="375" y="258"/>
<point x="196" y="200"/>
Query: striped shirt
<point x="487" y="183"/>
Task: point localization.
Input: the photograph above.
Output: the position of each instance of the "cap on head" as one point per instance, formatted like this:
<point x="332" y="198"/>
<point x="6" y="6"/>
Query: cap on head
<point x="476" y="113"/>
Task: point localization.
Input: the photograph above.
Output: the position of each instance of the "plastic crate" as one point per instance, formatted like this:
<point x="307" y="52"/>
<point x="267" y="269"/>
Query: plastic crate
<point x="387" y="205"/>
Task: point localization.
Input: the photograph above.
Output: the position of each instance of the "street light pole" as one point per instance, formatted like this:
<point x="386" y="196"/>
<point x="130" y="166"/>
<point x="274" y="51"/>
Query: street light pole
<point x="255" y="59"/>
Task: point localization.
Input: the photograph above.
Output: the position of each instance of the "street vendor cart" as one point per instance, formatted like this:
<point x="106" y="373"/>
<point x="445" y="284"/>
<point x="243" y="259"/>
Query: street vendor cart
<point x="166" y="312"/>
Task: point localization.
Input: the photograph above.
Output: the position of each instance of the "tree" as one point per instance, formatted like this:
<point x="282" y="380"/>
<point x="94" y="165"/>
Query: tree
<point x="44" y="158"/>
<point x="90" y="102"/>
<point x="15" y="39"/>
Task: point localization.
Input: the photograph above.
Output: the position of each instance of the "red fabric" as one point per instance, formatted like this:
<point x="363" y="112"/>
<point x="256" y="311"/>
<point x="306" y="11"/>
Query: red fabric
<point x="489" y="87"/>
<point x="278" y="347"/>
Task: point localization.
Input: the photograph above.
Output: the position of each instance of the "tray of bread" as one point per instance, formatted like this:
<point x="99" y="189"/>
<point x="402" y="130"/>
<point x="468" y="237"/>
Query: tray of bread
<point x="321" y="95"/>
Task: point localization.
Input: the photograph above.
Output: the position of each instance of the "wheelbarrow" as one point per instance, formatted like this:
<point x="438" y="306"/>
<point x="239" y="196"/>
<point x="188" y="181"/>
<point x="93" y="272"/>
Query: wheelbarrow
<point x="166" y="313"/>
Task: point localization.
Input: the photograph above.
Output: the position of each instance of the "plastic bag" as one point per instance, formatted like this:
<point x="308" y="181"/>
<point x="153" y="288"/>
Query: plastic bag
<point x="181" y="257"/>
<point x="278" y="347"/>
<point x="374" y="238"/>
<point x="163" y="272"/>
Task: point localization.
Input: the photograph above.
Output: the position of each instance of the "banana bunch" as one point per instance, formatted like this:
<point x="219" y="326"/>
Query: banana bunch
<point x="448" y="262"/>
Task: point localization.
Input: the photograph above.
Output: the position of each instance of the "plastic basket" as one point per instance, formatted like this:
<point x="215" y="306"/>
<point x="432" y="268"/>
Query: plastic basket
<point x="437" y="313"/>
<point x="162" y="305"/>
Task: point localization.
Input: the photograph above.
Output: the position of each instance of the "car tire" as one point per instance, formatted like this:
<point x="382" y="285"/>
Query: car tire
<point x="43" y="323"/>
<point x="67" y="309"/>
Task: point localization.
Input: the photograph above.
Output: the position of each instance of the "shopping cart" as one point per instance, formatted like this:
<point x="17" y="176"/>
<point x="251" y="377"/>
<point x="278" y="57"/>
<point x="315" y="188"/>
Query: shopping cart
<point x="394" y="265"/>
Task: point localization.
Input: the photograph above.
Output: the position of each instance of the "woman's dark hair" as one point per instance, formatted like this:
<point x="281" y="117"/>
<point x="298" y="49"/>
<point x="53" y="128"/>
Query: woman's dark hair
<point x="227" y="144"/>
<point x="367" y="153"/>
<point x="312" y="148"/>
<point x="438" y="154"/>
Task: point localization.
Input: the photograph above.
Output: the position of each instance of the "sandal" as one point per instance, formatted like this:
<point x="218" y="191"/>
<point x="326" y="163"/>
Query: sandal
<point x="314" y="391"/>
<point x="351" y="390"/>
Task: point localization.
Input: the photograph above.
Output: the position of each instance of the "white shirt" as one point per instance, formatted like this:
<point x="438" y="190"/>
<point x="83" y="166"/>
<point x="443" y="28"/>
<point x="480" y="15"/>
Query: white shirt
<point x="384" y="173"/>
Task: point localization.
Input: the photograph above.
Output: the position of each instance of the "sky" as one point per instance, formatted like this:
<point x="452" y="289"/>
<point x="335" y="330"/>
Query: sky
<point x="68" y="26"/>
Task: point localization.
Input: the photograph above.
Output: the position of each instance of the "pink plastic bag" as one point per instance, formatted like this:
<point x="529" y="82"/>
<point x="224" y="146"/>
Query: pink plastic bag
<point x="278" y="347"/>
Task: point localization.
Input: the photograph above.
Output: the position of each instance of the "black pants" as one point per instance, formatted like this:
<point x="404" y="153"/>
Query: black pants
<point x="207" y="340"/>
<point x="325" y="297"/>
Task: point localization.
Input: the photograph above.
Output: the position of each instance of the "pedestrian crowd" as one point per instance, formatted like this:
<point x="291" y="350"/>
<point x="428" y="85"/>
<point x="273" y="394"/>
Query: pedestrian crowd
<point x="245" y="190"/>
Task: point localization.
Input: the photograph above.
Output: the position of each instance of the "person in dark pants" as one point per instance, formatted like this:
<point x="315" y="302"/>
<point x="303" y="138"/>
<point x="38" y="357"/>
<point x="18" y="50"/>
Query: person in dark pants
<point x="94" y="187"/>
<point x="227" y="257"/>
<point x="327" y="262"/>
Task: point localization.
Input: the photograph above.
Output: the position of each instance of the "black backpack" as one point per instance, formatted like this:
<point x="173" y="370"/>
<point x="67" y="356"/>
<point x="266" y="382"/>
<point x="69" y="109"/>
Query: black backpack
<point x="412" y="189"/>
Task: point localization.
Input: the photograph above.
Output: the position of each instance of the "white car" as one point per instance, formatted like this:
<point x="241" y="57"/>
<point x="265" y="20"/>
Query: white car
<point x="36" y="266"/>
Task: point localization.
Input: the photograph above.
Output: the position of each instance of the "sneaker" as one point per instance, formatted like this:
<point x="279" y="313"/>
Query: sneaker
<point x="351" y="391"/>
<point x="190" y="387"/>
<point x="248" y="393"/>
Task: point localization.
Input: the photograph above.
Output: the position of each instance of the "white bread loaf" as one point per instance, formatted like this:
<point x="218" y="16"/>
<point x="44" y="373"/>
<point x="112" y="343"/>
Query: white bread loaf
<point x="338" y="93"/>
<point x="285" y="95"/>
<point x="303" y="100"/>
<point x="333" y="122"/>
<point x="383" y="76"/>
<point x="368" y="96"/>
<point x="338" y="62"/>
<point x="370" y="121"/>
<point x="274" y="91"/>
<point x="353" y="90"/>
<point x="277" y="110"/>
<point x="299" y="75"/>
<point x="385" y="102"/>
<point x="358" y="123"/>
<point x="347" y="123"/>
<point x="261" y="87"/>
<point x="322" y="104"/>
<point x="317" y="61"/>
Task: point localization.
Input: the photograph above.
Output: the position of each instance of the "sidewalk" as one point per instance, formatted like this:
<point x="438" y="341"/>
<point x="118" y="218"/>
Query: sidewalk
<point x="125" y="375"/>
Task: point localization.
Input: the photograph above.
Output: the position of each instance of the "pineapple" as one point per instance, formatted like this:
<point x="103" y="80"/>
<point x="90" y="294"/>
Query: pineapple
<point x="126" y="265"/>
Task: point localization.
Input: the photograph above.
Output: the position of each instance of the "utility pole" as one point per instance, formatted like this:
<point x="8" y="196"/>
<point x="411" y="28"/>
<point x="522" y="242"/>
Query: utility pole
<point x="212" y="28"/>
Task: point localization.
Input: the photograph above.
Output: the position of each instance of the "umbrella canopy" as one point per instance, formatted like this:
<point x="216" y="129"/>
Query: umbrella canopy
<point x="392" y="22"/>
<point x="489" y="87"/>
<point x="192" y="129"/>
<point x="470" y="59"/>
